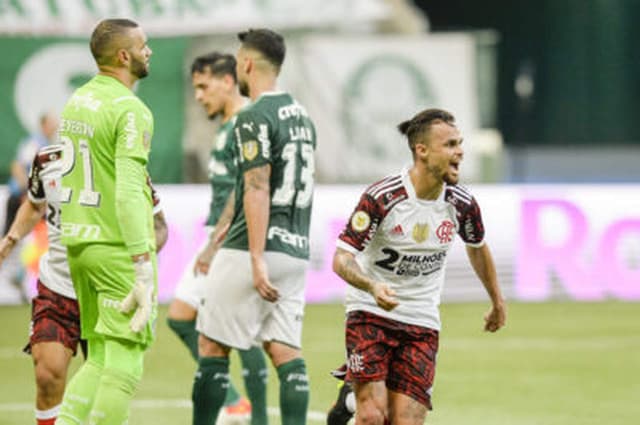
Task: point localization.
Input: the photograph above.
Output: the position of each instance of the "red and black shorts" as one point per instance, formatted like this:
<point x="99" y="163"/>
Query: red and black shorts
<point x="54" y="318"/>
<point x="402" y="355"/>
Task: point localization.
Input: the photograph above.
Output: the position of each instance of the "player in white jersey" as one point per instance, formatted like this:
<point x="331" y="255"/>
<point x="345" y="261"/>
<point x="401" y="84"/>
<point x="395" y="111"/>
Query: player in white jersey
<point x="55" y="329"/>
<point x="393" y="255"/>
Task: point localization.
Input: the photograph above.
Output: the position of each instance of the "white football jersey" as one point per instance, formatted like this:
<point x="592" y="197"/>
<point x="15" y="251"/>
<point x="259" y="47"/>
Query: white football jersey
<point x="44" y="185"/>
<point x="403" y="241"/>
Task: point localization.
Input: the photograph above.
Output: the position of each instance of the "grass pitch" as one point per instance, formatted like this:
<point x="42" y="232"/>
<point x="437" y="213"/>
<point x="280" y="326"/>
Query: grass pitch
<point x="554" y="364"/>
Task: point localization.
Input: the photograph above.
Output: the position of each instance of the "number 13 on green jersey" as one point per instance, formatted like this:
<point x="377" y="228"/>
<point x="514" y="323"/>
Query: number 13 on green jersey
<point x="277" y="130"/>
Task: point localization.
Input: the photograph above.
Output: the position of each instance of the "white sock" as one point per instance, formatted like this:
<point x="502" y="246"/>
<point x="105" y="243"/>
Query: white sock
<point x="49" y="413"/>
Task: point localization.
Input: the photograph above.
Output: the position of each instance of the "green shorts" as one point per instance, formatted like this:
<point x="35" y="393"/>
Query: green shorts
<point x="102" y="276"/>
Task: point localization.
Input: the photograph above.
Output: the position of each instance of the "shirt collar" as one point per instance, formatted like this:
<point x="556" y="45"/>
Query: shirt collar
<point x="411" y="191"/>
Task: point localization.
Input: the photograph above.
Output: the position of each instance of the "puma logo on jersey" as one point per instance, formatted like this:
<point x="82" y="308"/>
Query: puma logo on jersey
<point x="248" y="126"/>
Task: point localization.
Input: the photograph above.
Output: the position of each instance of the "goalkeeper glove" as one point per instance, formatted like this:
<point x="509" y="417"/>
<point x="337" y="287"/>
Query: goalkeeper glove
<point x="141" y="296"/>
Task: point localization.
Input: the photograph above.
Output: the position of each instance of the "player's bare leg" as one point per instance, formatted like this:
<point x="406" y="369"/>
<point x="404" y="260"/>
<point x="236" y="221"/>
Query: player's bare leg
<point x="180" y="310"/>
<point x="51" y="363"/>
<point x="371" y="402"/>
<point x="403" y="410"/>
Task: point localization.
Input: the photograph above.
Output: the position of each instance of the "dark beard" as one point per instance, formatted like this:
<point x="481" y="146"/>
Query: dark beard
<point x="139" y="69"/>
<point x="450" y="181"/>
<point x="243" y="86"/>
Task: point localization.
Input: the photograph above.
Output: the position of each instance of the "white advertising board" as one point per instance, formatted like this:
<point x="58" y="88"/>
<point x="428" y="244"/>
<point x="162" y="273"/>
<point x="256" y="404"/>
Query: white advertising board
<point x="572" y="242"/>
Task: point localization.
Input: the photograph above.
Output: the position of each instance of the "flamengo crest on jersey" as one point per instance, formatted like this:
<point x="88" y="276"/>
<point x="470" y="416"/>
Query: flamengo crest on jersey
<point x="403" y="241"/>
<point x="44" y="186"/>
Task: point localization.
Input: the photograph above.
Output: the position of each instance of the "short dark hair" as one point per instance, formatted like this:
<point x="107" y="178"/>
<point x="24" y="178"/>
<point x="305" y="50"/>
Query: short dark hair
<point x="104" y="35"/>
<point x="267" y="42"/>
<point x="217" y="63"/>
<point x="415" y="127"/>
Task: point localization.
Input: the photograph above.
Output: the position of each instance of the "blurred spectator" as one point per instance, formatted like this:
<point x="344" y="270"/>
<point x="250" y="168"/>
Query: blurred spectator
<point x="13" y="270"/>
<point x="21" y="163"/>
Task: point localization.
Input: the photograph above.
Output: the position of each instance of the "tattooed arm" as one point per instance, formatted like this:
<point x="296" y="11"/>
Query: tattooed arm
<point x="160" y="229"/>
<point x="346" y="266"/>
<point x="257" y="203"/>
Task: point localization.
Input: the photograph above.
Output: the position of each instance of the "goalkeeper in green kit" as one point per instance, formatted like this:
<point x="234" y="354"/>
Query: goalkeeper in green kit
<point x="107" y="225"/>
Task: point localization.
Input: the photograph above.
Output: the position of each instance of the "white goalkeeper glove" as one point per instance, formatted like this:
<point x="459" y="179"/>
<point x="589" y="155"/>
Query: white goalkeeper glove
<point x="141" y="296"/>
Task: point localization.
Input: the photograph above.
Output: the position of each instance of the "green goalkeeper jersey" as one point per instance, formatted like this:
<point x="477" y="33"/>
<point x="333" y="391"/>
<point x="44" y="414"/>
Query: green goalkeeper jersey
<point x="223" y="170"/>
<point x="102" y="121"/>
<point x="277" y="130"/>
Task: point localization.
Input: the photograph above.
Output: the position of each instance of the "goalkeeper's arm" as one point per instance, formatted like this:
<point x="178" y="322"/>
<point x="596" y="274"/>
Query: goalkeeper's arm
<point x="134" y="226"/>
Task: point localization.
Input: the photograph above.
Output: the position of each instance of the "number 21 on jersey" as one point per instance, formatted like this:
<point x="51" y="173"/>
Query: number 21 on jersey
<point x="88" y="196"/>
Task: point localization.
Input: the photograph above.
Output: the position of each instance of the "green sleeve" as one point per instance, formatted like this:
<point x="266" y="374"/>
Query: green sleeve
<point x="252" y="131"/>
<point x="134" y="129"/>
<point x="131" y="208"/>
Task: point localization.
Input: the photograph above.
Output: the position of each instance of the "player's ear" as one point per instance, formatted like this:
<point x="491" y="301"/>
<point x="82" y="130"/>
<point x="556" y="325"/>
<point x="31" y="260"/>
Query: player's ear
<point x="248" y="64"/>
<point x="422" y="150"/>
<point x="123" y="57"/>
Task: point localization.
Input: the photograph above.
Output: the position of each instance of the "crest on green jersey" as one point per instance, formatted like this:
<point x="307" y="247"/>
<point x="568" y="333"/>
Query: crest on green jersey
<point x="250" y="150"/>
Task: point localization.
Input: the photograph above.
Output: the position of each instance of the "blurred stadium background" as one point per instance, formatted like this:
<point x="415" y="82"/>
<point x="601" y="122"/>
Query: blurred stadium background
<point x="546" y="94"/>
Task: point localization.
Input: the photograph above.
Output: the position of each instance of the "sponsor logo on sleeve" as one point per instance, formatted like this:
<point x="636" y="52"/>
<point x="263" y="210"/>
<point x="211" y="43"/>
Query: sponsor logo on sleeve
<point x="360" y="221"/>
<point x="250" y="150"/>
<point x="131" y="130"/>
<point x="265" y="143"/>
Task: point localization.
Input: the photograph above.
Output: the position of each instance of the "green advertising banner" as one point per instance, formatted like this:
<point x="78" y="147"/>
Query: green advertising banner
<point x="39" y="74"/>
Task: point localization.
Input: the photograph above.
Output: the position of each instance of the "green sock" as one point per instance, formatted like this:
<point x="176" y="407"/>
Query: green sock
<point x="81" y="389"/>
<point x="294" y="392"/>
<point x="186" y="331"/>
<point x="123" y="364"/>
<point x="113" y="398"/>
<point x="254" y="371"/>
<point x="209" y="389"/>
<point x="79" y="394"/>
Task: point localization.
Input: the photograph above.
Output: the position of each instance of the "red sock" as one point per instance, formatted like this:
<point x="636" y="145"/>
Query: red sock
<point x="48" y="421"/>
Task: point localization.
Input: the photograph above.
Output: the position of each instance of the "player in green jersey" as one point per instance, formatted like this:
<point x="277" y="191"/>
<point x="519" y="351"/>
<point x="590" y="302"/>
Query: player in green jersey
<point x="107" y="225"/>
<point x="257" y="287"/>
<point x="215" y="87"/>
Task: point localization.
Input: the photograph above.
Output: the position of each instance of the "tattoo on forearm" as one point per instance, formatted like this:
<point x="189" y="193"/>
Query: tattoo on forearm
<point x="257" y="179"/>
<point x="351" y="272"/>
